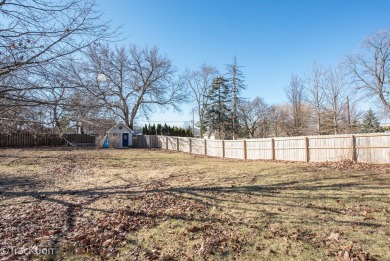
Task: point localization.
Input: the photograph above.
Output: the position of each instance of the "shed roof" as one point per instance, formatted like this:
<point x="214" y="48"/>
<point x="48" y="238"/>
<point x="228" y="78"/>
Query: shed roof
<point x="123" y="126"/>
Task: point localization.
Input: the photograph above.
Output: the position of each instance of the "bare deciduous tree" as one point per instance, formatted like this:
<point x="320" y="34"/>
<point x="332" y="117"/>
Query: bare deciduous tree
<point x="34" y="32"/>
<point x="371" y="68"/>
<point x="295" y="95"/>
<point x="137" y="81"/>
<point x="280" y="120"/>
<point x="253" y="114"/>
<point x="200" y="83"/>
<point x="314" y="86"/>
<point x="37" y="37"/>
<point x="337" y="101"/>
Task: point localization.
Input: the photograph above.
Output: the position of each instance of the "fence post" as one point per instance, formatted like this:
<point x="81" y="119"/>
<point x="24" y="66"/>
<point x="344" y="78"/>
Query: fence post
<point x="177" y="143"/>
<point x="205" y="147"/>
<point x="223" y="149"/>
<point x="307" y="155"/>
<point x="245" y="154"/>
<point x="353" y="148"/>
<point x="272" y="148"/>
<point x="166" y="142"/>
<point x="190" y="145"/>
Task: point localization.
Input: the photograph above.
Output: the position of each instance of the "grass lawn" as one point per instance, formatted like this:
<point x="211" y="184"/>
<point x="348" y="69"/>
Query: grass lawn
<point x="158" y="205"/>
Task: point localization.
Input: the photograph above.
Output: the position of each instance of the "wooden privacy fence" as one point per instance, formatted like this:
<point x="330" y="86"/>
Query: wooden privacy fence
<point x="145" y="141"/>
<point x="364" y="148"/>
<point x="28" y="140"/>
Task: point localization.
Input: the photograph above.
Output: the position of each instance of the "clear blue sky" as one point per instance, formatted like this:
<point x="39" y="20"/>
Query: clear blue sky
<point x="272" y="39"/>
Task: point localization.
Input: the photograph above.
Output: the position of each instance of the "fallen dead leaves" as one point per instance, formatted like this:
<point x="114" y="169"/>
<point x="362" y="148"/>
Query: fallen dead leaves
<point x="202" y="218"/>
<point x="31" y="225"/>
<point x="348" y="165"/>
<point x="103" y="236"/>
<point x="354" y="253"/>
<point x="331" y="242"/>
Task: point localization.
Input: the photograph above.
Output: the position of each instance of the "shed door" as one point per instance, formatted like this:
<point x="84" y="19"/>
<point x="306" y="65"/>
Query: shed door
<point x="125" y="140"/>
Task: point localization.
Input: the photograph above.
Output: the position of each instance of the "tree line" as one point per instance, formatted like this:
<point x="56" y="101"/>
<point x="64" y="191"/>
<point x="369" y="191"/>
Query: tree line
<point x="325" y="100"/>
<point x="166" y="130"/>
<point x="60" y="71"/>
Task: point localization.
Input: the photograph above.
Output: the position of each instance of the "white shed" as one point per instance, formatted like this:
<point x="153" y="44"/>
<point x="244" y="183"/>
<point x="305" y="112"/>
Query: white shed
<point x="119" y="136"/>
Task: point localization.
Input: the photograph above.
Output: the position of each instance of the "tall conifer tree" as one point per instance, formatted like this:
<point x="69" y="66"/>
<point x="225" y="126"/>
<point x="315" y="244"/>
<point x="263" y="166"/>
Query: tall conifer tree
<point x="371" y="123"/>
<point x="236" y="80"/>
<point x="218" y="115"/>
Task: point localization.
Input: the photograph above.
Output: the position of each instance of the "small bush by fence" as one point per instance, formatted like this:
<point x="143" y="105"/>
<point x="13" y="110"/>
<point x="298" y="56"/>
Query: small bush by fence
<point x="20" y="140"/>
<point x="364" y="148"/>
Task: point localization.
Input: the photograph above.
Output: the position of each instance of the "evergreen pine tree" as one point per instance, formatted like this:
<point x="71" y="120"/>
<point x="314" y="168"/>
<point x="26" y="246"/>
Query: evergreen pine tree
<point x="146" y="130"/>
<point x="149" y="129"/>
<point x="371" y="123"/>
<point x="218" y="115"/>
<point x="188" y="132"/>
<point x="153" y="130"/>
<point x="167" y="130"/>
<point x="164" y="129"/>
<point x="236" y="80"/>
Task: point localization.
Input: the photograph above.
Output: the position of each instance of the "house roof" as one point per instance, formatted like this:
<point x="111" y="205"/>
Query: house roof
<point x="123" y="126"/>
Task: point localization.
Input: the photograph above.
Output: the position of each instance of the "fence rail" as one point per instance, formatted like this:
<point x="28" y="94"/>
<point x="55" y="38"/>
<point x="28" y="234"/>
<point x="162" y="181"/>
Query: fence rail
<point x="20" y="140"/>
<point x="364" y="148"/>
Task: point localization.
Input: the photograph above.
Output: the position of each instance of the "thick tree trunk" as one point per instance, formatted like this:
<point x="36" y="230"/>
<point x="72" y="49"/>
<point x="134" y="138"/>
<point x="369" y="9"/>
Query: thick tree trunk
<point x="134" y="111"/>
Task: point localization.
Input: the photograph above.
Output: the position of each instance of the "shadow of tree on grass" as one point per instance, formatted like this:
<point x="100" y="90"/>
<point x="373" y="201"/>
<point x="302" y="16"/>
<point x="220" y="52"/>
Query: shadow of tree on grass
<point x="158" y="202"/>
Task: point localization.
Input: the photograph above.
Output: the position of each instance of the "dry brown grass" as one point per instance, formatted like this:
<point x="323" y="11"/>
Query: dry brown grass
<point x="150" y="204"/>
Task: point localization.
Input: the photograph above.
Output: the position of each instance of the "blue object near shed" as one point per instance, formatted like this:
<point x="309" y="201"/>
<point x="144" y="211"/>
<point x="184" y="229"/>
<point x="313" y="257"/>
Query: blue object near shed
<point x="106" y="143"/>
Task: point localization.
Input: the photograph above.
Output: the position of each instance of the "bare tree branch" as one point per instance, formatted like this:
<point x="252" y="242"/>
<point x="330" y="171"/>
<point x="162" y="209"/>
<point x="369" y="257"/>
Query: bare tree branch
<point x="371" y="68"/>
